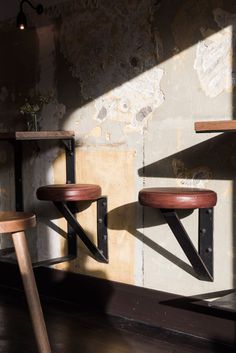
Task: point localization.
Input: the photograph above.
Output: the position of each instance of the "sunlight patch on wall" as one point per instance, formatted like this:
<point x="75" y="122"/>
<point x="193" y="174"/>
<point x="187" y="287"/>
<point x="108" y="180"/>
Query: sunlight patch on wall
<point x="130" y="105"/>
<point x="134" y="101"/>
<point x="213" y="61"/>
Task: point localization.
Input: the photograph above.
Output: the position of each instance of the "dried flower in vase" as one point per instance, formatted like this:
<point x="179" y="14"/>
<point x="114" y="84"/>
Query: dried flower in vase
<point x="31" y="109"/>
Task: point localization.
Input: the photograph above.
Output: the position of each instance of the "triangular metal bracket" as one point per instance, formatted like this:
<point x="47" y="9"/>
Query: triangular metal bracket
<point x="99" y="251"/>
<point x="201" y="260"/>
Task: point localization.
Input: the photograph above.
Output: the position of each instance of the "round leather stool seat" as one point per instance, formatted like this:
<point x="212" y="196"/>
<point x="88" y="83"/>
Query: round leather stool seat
<point x="177" y="198"/>
<point x="69" y="192"/>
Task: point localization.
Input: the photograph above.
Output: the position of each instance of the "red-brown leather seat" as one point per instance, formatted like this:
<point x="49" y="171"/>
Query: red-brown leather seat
<point x="69" y="192"/>
<point x="177" y="198"/>
<point x="62" y="195"/>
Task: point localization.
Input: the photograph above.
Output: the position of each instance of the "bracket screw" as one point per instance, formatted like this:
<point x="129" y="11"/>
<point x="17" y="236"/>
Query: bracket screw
<point x="208" y="250"/>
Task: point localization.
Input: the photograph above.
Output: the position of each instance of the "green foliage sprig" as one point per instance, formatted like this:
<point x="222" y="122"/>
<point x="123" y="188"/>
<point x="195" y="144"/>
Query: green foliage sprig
<point x="34" y="104"/>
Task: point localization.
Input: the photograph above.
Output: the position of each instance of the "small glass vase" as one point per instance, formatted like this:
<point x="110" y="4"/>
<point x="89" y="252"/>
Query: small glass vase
<point x="32" y="122"/>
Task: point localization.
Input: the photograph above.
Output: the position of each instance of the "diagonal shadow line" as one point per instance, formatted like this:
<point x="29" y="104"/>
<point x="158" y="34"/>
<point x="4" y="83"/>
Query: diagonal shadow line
<point x="54" y="227"/>
<point x="212" y="295"/>
<point x="129" y="210"/>
<point x="165" y="253"/>
<point x="211" y="159"/>
<point x="198" y="303"/>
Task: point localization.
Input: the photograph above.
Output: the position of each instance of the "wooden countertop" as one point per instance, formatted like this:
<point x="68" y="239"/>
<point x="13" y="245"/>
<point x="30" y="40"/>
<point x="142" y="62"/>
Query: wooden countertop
<point x="36" y="135"/>
<point x="215" y="126"/>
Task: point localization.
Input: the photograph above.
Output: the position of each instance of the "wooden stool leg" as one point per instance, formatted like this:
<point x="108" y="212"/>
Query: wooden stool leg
<point x="31" y="291"/>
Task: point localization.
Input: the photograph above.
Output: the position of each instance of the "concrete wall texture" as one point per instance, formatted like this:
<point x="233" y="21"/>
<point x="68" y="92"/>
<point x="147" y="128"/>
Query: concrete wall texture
<point x="130" y="78"/>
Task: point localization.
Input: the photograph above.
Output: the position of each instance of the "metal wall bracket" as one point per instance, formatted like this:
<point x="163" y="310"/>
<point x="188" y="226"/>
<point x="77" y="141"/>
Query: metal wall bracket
<point x="70" y="160"/>
<point x="99" y="251"/>
<point x="69" y="144"/>
<point x="201" y="260"/>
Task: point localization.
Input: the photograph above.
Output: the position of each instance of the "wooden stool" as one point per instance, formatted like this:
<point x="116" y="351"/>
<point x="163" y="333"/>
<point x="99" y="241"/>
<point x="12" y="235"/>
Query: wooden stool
<point x="16" y="223"/>
<point x="170" y="199"/>
<point x="65" y="197"/>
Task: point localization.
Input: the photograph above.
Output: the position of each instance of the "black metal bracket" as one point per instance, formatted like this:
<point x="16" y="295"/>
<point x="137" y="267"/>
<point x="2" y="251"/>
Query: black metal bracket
<point x="99" y="251"/>
<point x="70" y="160"/>
<point x="69" y="144"/>
<point x="201" y="260"/>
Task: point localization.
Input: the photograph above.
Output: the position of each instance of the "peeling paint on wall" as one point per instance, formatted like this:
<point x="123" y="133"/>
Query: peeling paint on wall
<point x="213" y="61"/>
<point x="124" y="81"/>
<point x="114" y="58"/>
<point x="126" y="103"/>
<point x="224" y="18"/>
<point x="129" y="107"/>
<point x="102" y="114"/>
<point x="227" y="19"/>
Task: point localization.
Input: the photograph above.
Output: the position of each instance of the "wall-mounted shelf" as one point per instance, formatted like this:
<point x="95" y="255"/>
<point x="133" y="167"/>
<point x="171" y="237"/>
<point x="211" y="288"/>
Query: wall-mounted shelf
<point x="215" y="126"/>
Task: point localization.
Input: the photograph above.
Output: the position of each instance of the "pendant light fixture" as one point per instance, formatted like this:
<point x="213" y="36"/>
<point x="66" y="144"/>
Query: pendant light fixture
<point x="21" y="20"/>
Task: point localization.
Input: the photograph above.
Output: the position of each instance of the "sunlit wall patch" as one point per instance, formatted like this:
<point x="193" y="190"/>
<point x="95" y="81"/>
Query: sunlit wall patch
<point x="213" y="61"/>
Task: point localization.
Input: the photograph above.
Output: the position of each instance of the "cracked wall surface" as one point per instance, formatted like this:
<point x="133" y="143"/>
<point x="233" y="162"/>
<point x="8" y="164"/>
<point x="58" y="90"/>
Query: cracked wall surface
<point x="130" y="78"/>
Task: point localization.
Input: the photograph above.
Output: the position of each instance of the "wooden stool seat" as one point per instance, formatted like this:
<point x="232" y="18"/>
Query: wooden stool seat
<point x="69" y="192"/>
<point x="16" y="221"/>
<point x="177" y="198"/>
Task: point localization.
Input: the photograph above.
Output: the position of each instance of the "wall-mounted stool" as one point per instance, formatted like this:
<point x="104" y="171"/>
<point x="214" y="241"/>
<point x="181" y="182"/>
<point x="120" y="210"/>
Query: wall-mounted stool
<point x="168" y="200"/>
<point x="66" y="197"/>
<point x="16" y="223"/>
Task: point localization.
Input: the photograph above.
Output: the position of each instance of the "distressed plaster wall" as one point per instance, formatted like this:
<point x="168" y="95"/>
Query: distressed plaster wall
<point x="130" y="78"/>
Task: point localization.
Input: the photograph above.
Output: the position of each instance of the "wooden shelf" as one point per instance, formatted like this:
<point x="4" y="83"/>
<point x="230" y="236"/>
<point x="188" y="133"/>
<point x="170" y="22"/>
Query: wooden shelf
<point x="215" y="126"/>
<point x="36" y="135"/>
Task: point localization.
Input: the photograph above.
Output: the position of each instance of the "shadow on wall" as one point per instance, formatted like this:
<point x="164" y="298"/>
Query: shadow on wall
<point x="152" y="218"/>
<point x="116" y="43"/>
<point x="211" y="159"/>
<point x="214" y="158"/>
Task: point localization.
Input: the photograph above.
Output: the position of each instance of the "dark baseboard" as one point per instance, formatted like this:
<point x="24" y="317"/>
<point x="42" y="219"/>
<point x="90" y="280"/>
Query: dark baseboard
<point x="155" y="308"/>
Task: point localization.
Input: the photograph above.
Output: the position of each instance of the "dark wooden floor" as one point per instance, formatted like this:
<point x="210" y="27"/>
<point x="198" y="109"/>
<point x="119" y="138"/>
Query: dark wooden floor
<point x="73" y="331"/>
